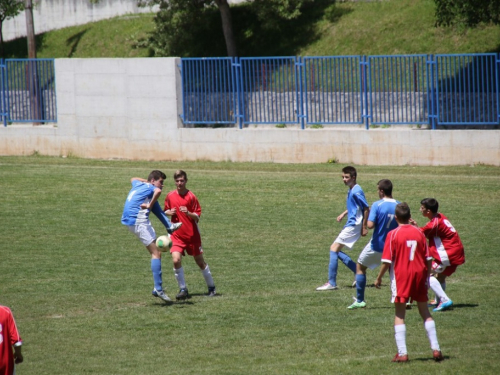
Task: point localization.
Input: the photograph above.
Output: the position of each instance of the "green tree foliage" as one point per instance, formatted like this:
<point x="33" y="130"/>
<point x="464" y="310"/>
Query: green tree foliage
<point x="186" y="27"/>
<point x="8" y="9"/>
<point x="468" y="13"/>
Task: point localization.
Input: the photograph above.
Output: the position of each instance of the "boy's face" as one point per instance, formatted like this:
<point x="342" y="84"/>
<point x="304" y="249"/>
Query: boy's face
<point x="425" y="212"/>
<point x="158" y="183"/>
<point x="348" y="180"/>
<point x="180" y="183"/>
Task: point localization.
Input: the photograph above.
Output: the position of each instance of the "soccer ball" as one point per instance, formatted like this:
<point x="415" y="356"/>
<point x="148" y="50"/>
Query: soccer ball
<point x="164" y="243"/>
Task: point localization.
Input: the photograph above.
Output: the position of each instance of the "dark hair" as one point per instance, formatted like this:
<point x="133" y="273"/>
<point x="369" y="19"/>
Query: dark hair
<point x="431" y="204"/>
<point x="156" y="175"/>
<point x="403" y="212"/>
<point x="386" y="186"/>
<point x="180" y="173"/>
<point x="351" y="171"/>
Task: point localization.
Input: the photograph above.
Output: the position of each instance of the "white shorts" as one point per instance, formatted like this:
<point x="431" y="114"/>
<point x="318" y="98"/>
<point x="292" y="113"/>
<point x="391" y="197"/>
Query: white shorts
<point x="370" y="258"/>
<point x="145" y="233"/>
<point x="349" y="236"/>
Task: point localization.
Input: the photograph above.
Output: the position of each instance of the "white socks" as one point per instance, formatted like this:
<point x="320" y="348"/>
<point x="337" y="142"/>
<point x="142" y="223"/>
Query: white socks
<point x="400" y="336"/>
<point x="438" y="289"/>
<point x="179" y="276"/>
<point x="430" y="327"/>
<point x="208" y="277"/>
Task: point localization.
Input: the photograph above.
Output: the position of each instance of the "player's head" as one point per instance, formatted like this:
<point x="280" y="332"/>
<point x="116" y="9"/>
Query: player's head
<point x="349" y="176"/>
<point x="386" y="187"/>
<point x="403" y="213"/>
<point x="351" y="171"/>
<point x="156" y="175"/>
<point x="429" y="204"/>
<point x="180" y="174"/>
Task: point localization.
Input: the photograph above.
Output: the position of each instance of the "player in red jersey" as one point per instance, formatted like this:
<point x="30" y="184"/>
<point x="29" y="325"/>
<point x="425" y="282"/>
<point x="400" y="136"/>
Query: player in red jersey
<point x="9" y="338"/>
<point x="406" y="254"/>
<point x="183" y="206"/>
<point x="445" y="248"/>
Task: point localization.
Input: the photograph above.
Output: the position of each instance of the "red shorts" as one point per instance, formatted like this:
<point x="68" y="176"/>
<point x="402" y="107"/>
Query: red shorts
<point x="408" y="287"/>
<point x="192" y="249"/>
<point x="445" y="270"/>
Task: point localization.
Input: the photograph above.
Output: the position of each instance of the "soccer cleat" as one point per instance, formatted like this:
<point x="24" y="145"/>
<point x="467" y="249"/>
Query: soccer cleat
<point x="174" y="227"/>
<point x="433" y="303"/>
<point x="161" y="294"/>
<point x="444" y="305"/>
<point x="211" y="291"/>
<point x="357" y="305"/>
<point x="438" y="356"/>
<point x="326" y="286"/>
<point x="400" y="358"/>
<point x="182" y="295"/>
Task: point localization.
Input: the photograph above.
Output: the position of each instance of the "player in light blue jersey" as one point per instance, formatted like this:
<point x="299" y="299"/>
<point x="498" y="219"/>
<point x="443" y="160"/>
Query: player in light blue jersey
<point x="141" y="200"/>
<point x="357" y="216"/>
<point x="382" y="221"/>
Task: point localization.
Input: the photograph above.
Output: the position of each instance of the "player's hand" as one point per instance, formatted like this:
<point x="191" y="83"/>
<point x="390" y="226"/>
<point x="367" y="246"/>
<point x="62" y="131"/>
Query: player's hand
<point x="145" y="206"/>
<point x="413" y="222"/>
<point x="340" y="217"/>
<point x="377" y="283"/>
<point x="18" y="358"/>
<point x="183" y="209"/>
<point x="364" y="231"/>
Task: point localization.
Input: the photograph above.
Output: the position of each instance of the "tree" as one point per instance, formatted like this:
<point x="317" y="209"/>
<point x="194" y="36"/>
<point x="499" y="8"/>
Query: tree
<point x="179" y="20"/>
<point x="468" y="13"/>
<point x="8" y="10"/>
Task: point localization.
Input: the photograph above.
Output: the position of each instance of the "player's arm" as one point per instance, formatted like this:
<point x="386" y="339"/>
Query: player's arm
<point x="138" y="179"/>
<point x="18" y="355"/>
<point x="341" y="216"/>
<point x="383" y="269"/>
<point x="154" y="199"/>
<point x="364" y="229"/>
<point x="370" y="224"/>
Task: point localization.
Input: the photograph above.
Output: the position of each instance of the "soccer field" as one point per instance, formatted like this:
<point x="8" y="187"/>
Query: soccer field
<point x="79" y="283"/>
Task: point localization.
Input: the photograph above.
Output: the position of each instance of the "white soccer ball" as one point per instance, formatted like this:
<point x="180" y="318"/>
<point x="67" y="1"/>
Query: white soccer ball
<point x="164" y="243"/>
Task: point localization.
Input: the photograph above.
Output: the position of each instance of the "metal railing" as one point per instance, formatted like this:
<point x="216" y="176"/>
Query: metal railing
<point x="374" y="90"/>
<point x="27" y="89"/>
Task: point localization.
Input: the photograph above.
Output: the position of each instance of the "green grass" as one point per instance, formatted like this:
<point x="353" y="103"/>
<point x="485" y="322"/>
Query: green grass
<point x="79" y="283"/>
<point x="390" y="27"/>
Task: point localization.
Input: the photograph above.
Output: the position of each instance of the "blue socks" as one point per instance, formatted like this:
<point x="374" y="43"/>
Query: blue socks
<point x="332" y="268"/>
<point x="347" y="261"/>
<point x="360" y="287"/>
<point x="333" y="265"/>
<point x="156" y="269"/>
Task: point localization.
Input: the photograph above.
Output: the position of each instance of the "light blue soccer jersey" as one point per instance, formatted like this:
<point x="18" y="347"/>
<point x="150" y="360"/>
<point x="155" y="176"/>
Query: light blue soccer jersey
<point x="382" y="214"/>
<point x="140" y="193"/>
<point x="356" y="204"/>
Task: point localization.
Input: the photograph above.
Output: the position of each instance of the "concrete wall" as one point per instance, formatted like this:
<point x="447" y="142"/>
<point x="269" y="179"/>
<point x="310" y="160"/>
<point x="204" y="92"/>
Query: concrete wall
<point x="56" y="14"/>
<point x="129" y="109"/>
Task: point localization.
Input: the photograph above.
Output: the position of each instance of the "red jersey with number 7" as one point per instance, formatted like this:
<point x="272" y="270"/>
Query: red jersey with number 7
<point x="445" y="245"/>
<point x="406" y="250"/>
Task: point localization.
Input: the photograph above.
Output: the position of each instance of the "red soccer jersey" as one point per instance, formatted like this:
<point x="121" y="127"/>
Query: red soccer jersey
<point x="407" y="251"/>
<point x="8" y="337"/>
<point x="189" y="232"/>
<point x="444" y="242"/>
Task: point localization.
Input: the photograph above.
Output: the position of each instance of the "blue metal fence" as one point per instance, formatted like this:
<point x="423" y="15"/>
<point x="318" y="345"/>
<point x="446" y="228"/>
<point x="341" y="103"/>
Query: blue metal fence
<point x="373" y="90"/>
<point x="28" y="91"/>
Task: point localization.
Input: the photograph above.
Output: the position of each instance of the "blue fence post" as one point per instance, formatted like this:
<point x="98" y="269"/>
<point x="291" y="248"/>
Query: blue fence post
<point x="497" y="80"/>
<point x="432" y="97"/>
<point x="299" y="66"/>
<point x="5" y="112"/>
<point x="366" y="114"/>
<point x="240" y="108"/>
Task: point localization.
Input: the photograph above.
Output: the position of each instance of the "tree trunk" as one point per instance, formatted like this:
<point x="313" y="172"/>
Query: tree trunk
<point x="227" y="27"/>
<point x="32" y="82"/>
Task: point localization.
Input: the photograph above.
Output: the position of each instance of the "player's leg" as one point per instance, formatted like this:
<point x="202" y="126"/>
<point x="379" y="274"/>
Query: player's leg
<point x="430" y="328"/>
<point x="176" y="253"/>
<point x="438" y="285"/>
<point x="207" y="275"/>
<point x="400" y="332"/>
<point x="147" y="235"/>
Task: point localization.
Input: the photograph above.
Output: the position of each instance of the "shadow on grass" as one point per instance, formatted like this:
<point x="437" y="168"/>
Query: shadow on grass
<point x="18" y="48"/>
<point x="73" y="42"/>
